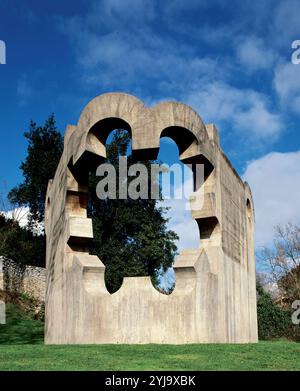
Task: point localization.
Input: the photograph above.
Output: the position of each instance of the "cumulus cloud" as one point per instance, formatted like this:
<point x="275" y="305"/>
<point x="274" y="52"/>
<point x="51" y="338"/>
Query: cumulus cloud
<point x="254" y="55"/>
<point x="275" y="184"/>
<point x="115" y="52"/>
<point x="245" y="111"/>
<point x="287" y="86"/>
<point x="183" y="224"/>
<point x="176" y="197"/>
<point x="286" y="26"/>
<point x="131" y="58"/>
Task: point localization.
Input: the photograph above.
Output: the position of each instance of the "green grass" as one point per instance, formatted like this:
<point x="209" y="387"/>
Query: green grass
<point x="21" y="327"/>
<point x="280" y="355"/>
<point x="22" y="348"/>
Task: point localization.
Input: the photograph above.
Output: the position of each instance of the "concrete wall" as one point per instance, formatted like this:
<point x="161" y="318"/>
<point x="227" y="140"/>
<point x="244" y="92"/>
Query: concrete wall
<point x="214" y="299"/>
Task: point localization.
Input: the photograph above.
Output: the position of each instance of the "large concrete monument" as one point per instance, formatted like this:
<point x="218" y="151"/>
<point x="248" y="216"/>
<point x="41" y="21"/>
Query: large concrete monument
<point x="214" y="299"/>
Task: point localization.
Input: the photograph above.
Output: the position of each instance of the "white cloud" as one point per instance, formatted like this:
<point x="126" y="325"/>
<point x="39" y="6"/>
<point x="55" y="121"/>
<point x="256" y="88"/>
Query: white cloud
<point x="113" y="53"/>
<point x="19" y="214"/>
<point x="133" y="57"/>
<point x="245" y="111"/>
<point x="179" y="212"/>
<point x="286" y="26"/>
<point x="113" y="13"/>
<point x="275" y="183"/>
<point x="254" y="55"/>
<point x="116" y="52"/>
<point x="287" y="85"/>
<point x="183" y="224"/>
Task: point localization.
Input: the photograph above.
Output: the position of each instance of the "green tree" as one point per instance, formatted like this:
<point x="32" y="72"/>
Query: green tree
<point x="131" y="236"/>
<point x="45" y="146"/>
<point x="20" y="244"/>
<point x="283" y="261"/>
<point x="273" y="321"/>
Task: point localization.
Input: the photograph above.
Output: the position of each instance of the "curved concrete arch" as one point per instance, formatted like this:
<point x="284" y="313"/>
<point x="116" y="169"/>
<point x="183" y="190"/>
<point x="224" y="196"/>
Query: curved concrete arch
<point x="116" y="104"/>
<point x="146" y="124"/>
<point x="249" y="196"/>
<point x="112" y="105"/>
<point x="176" y="114"/>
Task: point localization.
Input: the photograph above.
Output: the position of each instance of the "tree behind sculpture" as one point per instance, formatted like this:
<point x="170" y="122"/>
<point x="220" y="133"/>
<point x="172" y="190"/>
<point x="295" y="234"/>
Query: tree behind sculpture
<point x="130" y="236"/>
<point x="283" y="261"/>
<point x="45" y="146"/>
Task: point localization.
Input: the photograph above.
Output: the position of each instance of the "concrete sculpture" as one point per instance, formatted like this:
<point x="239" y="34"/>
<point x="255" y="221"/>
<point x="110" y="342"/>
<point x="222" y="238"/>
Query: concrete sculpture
<point x="214" y="299"/>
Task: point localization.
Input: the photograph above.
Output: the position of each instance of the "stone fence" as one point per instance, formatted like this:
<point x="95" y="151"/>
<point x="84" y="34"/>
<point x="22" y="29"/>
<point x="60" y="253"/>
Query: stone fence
<point x="22" y="279"/>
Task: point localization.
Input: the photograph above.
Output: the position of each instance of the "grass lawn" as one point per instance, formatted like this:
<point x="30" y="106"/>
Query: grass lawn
<point x="22" y="348"/>
<point x="280" y="355"/>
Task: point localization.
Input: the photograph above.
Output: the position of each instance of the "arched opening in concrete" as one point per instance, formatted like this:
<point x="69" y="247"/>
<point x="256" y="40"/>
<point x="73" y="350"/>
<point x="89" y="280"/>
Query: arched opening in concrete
<point x="175" y="193"/>
<point x="249" y="233"/>
<point x="182" y="219"/>
<point x="178" y="140"/>
<point x="119" y="262"/>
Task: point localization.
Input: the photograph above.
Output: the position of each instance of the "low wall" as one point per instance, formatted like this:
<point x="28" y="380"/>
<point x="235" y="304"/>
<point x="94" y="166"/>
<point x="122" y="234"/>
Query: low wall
<point x="22" y="279"/>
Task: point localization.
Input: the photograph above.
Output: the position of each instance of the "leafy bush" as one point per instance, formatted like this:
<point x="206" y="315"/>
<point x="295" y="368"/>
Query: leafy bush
<point x="20" y="244"/>
<point x="273" y="321"/>
<point x="20" y="328"/>
<point x="24" y="320"/>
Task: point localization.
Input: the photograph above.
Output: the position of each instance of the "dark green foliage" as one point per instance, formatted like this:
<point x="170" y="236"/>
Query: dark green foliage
<point x="273" y="321"/>
<point x="22" y="325"/>
<point x="20" y="244"/>
<point x="131" y="236"/>
<point x="45" y="146"/>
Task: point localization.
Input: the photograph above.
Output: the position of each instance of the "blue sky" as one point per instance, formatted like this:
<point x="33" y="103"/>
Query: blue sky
<point x="231" y="61"/>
